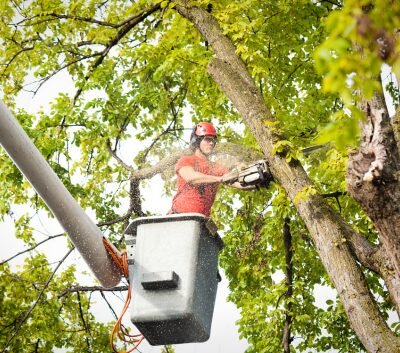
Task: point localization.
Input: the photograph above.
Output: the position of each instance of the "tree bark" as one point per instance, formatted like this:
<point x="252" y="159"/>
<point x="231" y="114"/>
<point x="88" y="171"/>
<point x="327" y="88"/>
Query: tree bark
<point x="327" y="228"/>
<point x="396" y="127"/>
<point x="373" y="176"/>
<point x="375" y="259"/>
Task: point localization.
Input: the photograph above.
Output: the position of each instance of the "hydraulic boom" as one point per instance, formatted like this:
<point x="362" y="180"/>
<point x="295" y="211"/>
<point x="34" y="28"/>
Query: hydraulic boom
<point x="84" y="234"/>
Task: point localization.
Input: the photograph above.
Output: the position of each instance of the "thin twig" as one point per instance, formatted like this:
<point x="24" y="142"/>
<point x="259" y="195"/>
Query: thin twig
<point x="116" y="220"/>
<point x="143" y="159"/>
<point x="109" y="305"/>
<point x="31" y="248"/>
<point x="117" y="158"/>
<point x="85" y="326"/>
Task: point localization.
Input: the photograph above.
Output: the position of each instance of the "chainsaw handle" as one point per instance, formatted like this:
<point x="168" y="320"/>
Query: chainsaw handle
<point x="230" y="177"/>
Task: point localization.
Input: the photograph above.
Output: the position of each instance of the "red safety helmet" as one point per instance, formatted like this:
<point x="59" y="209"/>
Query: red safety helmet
<point x="199" y="131"/>
<point x="205" y="129"/>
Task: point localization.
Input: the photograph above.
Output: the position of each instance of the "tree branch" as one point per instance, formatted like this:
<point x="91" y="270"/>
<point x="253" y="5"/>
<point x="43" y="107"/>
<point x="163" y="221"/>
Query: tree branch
<point x="373" y="175"/>
<point x="109" y="305"/>
<point x="85" y="326"/>
<point x="143" y="159"/>
<point x="117" y="158"/>
<point x="7" y="65"/>
<point x="127" y="26"/>
<point x="135" y="198"/>
<point x="91" y="289"/>
<point x="31" y="248"/>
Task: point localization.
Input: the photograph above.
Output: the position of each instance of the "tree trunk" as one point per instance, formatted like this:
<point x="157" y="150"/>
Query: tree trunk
<point x="396" y="127"/>
<point x="373" y="176"/>
<point x="327" y="229"/>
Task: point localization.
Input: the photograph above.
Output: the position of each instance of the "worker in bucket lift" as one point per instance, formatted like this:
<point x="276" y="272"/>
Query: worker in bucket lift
<point x="198" y="176"/>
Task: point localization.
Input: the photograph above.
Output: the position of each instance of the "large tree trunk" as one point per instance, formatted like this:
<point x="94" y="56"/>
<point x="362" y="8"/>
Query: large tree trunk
<point x="373" y="176"/>
<point x="396" y="127"/>
<point x="326" y="227"/>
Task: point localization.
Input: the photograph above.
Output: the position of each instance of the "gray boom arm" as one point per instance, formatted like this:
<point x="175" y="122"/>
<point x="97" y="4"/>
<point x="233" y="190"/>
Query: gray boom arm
<point x="84" y="234"/>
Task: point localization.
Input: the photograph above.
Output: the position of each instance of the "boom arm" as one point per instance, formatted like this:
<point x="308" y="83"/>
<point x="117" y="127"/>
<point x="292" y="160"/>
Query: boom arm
<point x="84" y="234"/>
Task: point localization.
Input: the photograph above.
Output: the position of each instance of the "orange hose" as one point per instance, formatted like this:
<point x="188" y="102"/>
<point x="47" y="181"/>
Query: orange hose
<point x="118" y="330"/>
<point x="119" y="260"/>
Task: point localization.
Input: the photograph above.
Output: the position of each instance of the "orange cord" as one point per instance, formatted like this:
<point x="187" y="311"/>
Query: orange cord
<point x="121" y="261"/>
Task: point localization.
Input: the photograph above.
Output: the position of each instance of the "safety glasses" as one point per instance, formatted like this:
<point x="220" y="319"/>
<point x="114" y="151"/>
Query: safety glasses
<point x="210" y="139"/>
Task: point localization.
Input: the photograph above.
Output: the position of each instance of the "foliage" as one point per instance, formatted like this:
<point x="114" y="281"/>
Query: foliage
<point x="168" y="349"/>
<point x="146" y="86"/>
<point x="53" y="322"/>
<point x="371" y="29"/>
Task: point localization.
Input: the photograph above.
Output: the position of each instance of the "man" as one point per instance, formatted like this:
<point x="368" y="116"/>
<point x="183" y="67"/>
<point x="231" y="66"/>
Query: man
<point x="198" y="177"/>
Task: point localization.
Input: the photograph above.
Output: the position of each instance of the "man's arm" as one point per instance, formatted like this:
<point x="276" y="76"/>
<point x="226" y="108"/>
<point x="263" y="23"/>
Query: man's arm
<point x="195" y="178"/>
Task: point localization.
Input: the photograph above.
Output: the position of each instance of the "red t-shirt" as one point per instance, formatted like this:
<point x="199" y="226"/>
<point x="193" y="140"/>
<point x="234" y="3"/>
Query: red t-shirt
<point x="196" y="198"/>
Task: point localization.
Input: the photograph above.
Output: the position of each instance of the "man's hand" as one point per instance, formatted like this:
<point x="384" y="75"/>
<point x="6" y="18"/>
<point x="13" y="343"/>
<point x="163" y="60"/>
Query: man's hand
<point x="231" y="177"/>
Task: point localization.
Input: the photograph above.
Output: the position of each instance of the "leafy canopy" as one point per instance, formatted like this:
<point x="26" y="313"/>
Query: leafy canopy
<point x="140" y="75"/>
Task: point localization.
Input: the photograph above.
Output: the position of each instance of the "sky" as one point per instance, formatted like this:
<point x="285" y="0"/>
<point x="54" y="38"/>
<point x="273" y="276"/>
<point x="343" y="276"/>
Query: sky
<point x="224" y="333"/>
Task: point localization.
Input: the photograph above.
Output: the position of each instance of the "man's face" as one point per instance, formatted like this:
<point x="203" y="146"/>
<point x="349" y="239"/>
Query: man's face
<point x="207" y="144"/>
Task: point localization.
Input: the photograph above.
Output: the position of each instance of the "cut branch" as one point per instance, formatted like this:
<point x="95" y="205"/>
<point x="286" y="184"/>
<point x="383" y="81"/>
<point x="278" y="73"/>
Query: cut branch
<point x="239" y="152"/>
<point x="158" y="168"/>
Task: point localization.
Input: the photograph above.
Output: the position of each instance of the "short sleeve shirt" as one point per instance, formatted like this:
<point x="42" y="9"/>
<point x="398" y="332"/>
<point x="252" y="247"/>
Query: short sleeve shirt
<point x="196" y="198"/>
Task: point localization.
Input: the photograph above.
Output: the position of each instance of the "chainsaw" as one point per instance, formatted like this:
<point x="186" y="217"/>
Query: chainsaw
<point x="256" y="173"/>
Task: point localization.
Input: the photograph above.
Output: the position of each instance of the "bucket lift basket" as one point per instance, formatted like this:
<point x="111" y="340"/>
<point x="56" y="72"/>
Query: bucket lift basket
<point x="173" y="271"/>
